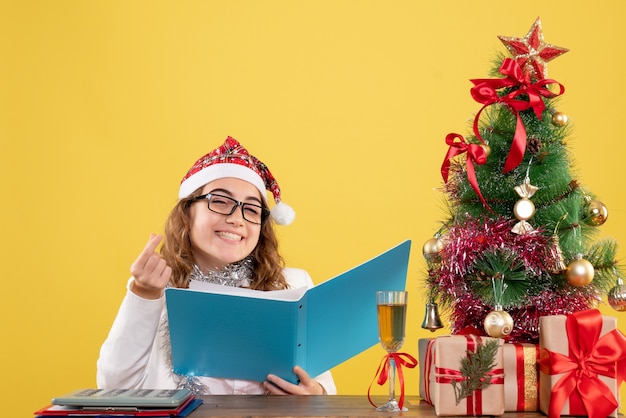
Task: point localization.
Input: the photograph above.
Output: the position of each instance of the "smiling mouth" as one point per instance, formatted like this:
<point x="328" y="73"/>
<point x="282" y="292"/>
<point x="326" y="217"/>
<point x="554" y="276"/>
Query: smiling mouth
<point x="229" y="236"/>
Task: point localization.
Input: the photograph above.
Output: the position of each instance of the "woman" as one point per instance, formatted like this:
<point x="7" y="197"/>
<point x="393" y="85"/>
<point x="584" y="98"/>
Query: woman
<point x="220" y="232"/>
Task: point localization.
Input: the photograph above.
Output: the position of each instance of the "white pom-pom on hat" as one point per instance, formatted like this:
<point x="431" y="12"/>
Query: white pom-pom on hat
<point x="283" y="214"/>
<point x="231" y="159"/>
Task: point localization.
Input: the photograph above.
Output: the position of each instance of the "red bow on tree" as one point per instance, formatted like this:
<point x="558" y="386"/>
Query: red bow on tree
<point x="527" y="95"/>
<point x="475" y="154"/>
<point x="589" y="356"/>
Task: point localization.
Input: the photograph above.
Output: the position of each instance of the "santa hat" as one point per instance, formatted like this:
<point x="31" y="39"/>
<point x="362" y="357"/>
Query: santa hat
<point x="231" y="159"/>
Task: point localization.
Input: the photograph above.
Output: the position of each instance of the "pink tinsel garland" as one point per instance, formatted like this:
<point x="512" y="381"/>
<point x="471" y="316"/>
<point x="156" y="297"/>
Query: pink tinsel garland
<point x="467" y="241"/>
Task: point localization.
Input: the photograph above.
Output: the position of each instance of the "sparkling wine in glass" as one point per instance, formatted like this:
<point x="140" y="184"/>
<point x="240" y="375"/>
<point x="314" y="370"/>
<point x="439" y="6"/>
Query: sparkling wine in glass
<point x="391" y="306"/>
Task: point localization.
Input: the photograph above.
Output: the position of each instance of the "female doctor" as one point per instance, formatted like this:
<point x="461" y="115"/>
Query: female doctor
<point x="220" y="231"/>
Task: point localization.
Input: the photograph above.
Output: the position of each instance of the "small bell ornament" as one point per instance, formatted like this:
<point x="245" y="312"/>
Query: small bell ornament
<point x="617" y="296"/>
<point x="558" y="260"/>
<point x="432" y="321"/>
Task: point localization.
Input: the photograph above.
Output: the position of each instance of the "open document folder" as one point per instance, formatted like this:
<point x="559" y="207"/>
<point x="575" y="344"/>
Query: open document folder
<point x="229" y="332"/>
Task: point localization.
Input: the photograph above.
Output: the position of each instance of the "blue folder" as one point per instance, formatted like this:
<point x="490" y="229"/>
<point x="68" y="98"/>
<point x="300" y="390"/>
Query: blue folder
<point x="246" y="337"/>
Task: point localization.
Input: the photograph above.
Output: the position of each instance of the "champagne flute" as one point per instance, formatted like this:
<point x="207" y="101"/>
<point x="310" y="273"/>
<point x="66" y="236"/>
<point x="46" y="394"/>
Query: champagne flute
<point x="391" y="307"/>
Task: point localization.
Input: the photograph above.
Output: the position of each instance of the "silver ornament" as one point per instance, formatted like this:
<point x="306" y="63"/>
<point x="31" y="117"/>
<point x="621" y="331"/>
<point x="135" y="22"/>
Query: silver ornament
<point x="617" y="296"/>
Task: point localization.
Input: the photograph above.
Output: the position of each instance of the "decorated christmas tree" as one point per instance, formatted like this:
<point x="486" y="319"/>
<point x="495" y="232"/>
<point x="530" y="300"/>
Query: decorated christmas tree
<point x="520" y="239"/>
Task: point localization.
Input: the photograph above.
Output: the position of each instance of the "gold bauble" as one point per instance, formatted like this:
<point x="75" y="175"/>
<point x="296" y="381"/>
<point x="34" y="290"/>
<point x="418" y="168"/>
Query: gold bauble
<point x="498" y="323"/>
<point x="432" y="246"/>
<point x="524" y="209"/>
<point x="559" y="119"/>
<point x="579" y="272"/>
<point x="595" y="213"/>
<point x="487" y="149"/>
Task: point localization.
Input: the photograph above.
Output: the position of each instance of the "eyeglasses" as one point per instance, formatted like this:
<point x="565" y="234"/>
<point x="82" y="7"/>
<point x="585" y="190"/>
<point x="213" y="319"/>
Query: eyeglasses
<point x="224" y="205"/>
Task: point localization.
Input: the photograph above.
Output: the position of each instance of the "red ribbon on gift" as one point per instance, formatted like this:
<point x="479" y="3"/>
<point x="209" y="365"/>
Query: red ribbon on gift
<point x="589" y="356"/>
<point x="527" y="95"/>
<point x="401" y="359"/>
<point x="475" y="154"/>
<point x="470" y="330"/>
<point x="428" y="360"/>
<point x="474" y="403"/>
<point x="621" y="372"/>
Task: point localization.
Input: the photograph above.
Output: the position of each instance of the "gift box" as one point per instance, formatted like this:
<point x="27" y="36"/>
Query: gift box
<point x="578" y="364"/>
<point x="445" y="378"/>
<point x="425" y="348"/>
<point x="521" y="377"/>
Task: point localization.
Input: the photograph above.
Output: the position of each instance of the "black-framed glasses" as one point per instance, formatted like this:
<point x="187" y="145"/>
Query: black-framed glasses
<point x="225" y="205"/>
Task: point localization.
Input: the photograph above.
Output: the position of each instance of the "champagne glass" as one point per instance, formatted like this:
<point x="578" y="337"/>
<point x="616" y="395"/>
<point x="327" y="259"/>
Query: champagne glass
<point x="391" y="307"/>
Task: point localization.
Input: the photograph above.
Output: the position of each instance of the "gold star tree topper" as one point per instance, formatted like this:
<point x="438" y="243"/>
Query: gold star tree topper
<point x="531" y="52"/>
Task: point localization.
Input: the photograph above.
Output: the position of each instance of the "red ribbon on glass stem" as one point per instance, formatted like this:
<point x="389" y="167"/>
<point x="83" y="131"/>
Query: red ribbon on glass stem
<point x="383" y="372"/>
<point x="589" y="356"/>
<point x="475" y="155"/>
<point x="484" y="91"/>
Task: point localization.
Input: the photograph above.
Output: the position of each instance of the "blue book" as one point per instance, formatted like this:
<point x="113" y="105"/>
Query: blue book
<point x="229" y="332"/>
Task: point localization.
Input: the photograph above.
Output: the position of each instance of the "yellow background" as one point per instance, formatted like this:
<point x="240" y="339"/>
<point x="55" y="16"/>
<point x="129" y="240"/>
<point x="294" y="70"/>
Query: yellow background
<point x="104" y="105"/>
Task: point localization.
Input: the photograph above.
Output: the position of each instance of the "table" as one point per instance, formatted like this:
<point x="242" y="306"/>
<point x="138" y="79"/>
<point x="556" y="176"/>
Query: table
<point x="312" y="406"/>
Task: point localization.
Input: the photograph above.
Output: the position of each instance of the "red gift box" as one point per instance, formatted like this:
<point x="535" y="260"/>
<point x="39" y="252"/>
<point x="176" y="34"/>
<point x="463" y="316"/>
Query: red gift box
<point x="578" y="361"/>
<point x="521" y="377"/>
<point x="446" y="353"/>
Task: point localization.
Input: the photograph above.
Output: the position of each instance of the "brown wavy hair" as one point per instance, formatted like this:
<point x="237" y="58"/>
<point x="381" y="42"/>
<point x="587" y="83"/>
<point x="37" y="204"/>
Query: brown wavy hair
<point x="268" y="264"/>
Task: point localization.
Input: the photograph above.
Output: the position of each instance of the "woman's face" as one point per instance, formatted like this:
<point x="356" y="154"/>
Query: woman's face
<point x="218" y="240"/>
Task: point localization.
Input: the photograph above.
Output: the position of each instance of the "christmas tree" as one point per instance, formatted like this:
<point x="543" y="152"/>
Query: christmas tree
<point x="519" y="241"/>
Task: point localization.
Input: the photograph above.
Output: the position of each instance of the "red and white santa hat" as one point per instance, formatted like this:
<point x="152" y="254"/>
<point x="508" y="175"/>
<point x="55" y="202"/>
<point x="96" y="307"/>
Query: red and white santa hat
<point x="231" y="159"/>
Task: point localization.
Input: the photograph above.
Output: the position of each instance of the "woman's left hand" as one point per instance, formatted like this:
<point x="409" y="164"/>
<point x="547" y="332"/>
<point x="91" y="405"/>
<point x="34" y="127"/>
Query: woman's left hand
<point x="274" y="385"/>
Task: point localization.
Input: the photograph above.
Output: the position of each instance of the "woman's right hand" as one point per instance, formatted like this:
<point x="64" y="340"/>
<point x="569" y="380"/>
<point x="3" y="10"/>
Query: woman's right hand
<point x="150" y="272"/>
